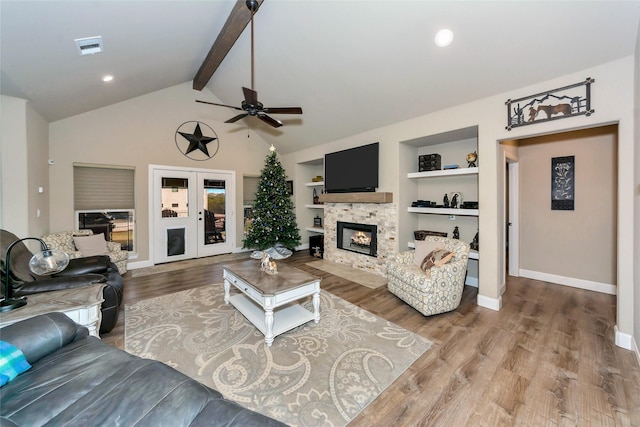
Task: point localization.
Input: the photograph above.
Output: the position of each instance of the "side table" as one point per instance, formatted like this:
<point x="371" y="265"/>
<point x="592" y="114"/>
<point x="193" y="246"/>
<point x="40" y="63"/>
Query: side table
<point x="82" y="305"/>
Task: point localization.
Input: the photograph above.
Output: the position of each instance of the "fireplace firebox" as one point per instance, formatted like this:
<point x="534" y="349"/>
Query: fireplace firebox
<point x="359" y="238"/>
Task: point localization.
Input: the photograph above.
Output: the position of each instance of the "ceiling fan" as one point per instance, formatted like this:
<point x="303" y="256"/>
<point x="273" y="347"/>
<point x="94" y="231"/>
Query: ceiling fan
<point x="250" y="106"/>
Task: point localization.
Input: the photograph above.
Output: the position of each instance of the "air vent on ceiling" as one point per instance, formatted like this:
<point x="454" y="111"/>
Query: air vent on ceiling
<point x="89" y="45"/>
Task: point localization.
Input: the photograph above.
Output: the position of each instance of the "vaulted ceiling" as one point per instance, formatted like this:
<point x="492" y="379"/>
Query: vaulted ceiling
<point x="351" y="65"/>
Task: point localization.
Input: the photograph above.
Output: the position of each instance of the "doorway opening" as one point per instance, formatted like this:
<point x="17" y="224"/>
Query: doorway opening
<point x="568" y="247"/>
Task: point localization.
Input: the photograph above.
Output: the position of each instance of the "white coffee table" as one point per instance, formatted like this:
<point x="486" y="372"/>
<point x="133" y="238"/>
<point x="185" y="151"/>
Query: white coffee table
<point x="268" y="301"/>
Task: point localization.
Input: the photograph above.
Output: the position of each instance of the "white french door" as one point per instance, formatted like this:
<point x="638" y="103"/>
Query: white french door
<point x="192" y="214"/>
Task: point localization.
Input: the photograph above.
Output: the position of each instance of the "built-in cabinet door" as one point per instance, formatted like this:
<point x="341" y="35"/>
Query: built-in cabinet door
<point x="192" y="214"/>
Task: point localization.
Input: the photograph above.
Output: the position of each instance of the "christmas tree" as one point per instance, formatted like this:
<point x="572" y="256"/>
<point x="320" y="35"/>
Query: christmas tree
<point x="274" y="220"/>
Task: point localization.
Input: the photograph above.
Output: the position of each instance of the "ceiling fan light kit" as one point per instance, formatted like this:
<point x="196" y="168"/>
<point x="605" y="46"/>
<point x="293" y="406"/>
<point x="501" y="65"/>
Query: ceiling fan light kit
<point x="250" y="106"/>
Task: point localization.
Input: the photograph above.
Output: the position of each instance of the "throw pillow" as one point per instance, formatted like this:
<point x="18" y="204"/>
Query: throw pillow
<point x="91" y="245"/>
<point x="436" y="258"/>
<point x="12" y="362"/>
<point x="422" y="249"/>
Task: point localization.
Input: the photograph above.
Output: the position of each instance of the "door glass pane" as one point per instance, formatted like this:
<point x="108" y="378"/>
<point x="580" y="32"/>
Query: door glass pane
<point x="214" y="211"/>
<point x="175" y="197"/>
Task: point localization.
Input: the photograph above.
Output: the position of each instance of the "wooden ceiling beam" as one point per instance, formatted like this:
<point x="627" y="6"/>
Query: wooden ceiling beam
<point x="236" y="23"/>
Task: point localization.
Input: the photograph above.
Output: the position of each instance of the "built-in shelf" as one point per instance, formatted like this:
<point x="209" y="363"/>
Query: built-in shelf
<point x="366" y="197"/>
<point x="445" y="211"/>
<point x="314" y="206"/>
<point x="315" y="229"/>
<point x="314" y="184"/>
<point x="473" y="254"/>
<point x="444" y="172"/>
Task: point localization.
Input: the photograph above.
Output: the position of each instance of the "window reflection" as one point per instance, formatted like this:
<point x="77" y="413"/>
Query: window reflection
<point x="175" y="197"/>
<point x="215" y="211"/>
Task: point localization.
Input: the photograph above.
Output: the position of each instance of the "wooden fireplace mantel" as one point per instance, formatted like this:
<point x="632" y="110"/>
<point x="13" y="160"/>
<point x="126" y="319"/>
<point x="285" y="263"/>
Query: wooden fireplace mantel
<point x="372" y="197"/>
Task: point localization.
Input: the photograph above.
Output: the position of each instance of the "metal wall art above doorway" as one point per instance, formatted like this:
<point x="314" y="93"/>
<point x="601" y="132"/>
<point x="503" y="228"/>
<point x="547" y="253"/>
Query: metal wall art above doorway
<point x="567" y="101"/>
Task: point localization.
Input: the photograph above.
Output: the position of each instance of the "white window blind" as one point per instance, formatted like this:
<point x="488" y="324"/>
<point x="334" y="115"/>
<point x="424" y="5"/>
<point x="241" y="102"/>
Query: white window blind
<point x="103" y="187"/>
<point x="250" y="188"/>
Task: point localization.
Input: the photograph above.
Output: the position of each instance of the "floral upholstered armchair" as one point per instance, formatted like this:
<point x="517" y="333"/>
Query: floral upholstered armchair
<point x="82" y="243"/>
<point x="431" y="277"/>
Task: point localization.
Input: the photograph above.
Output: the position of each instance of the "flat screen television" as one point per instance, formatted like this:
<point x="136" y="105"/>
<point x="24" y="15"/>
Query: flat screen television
<point x="352" y="171"/>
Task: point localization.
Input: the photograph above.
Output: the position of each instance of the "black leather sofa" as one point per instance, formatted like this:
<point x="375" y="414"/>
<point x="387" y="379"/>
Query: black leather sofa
<point x="78" y="380"/>
<point x="80" y="272"/>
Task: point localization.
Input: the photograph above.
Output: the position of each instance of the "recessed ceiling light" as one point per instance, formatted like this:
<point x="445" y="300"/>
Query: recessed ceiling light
<point x="107" y="78"/>
<point x="444" y="37"/>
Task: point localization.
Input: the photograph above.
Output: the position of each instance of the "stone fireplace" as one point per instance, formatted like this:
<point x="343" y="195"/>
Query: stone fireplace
<point x="377" y="219"/>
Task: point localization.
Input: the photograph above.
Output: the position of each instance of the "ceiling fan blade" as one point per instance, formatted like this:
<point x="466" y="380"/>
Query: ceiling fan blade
<point x="236" y="23"/>
<point x="236" y="118"/>
<point x="250" y="96"/>
<point x="283" y="110"/>
<point x="219" y="105"/>
<point x="270" y="120"/>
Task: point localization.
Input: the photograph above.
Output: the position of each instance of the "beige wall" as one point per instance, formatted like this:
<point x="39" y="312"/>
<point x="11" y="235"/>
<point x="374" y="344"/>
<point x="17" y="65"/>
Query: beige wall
<point x="38" y="172"/>
<point x="23" y="156"/>
<point x="15" y="202"/>
<point x="140" y="132"/>
<point x="580" y="243"/>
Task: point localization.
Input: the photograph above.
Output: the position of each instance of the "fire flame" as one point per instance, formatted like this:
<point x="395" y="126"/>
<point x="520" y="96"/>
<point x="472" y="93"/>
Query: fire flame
<point x="361" y="238"/>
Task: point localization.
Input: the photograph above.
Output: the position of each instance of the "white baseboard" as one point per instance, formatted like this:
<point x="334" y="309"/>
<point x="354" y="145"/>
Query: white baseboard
<point x="589" y="285"/>
<point x="491" y="303"/>
<point x="627" y="342"/>
<point x="139" y="264"/>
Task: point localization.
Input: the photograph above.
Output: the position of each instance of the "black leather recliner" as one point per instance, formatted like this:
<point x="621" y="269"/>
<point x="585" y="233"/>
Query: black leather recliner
<point x="80" y="272"/>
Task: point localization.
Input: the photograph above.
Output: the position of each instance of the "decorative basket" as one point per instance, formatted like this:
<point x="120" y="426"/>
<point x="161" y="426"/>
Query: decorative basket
<point x="421" y="234"/>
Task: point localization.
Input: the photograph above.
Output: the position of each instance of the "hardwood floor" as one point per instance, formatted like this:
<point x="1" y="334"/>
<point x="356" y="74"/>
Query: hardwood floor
<point x="547" y="358"/>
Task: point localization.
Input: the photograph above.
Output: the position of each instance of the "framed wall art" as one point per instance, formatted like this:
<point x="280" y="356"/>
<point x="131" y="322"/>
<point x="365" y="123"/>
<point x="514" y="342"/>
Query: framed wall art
<point x="563" y="183"/>
<point x="567" y="101"/>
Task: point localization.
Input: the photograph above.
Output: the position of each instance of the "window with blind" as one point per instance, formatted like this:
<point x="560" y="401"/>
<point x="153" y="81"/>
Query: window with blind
<point x="250" y="188"/>
<point x="104" y="201"/>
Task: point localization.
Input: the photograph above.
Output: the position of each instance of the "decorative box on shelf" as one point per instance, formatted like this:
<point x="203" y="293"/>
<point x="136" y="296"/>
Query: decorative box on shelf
<point x="429" y="162"/>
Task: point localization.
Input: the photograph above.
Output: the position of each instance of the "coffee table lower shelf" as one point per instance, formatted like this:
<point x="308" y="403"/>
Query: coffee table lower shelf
<point x="285" y="318"/>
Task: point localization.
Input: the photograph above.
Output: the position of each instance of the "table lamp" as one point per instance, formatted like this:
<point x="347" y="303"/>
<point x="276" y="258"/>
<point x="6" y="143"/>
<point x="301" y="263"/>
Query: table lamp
<point x="47" y="261"/>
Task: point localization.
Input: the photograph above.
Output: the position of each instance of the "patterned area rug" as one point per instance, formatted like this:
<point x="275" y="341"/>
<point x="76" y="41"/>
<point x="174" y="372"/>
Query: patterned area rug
<point x="316" y="374"/>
